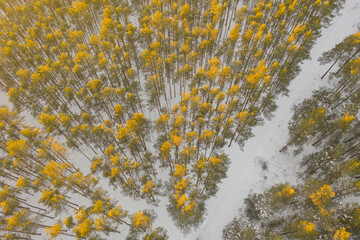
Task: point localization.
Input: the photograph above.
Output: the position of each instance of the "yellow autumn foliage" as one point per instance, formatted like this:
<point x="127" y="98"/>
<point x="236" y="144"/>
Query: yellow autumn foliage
<point x="258" y="73"/>
<point x="215" y="160"/>
<point x="84" y="228"/>
<point x="54" y="230"/>
<point x="347" y="118"/>
<point x="116" y="212"/>
<point x="307" y="227"/>
<point x="180" y="170"/>
<point x="148" y="187"/>
<point x="99" y="223"/>
<point x="322" y="196"/>
<point x="141" y="220"/>
<point x="341" y="234"/>
<point x="17" y="147"/>
<point x="287" y="192"/>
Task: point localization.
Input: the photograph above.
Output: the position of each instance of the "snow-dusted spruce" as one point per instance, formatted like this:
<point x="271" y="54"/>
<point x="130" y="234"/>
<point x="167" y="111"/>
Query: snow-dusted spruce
<point x="93" y="72"/>
<point x="331" y="110"/>
<point x="325" y="205"/>
<point x="37" y="180"/>
<point x="308" y="211"/>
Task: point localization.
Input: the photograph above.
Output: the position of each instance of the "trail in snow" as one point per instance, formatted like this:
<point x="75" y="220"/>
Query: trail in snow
<point x="245" y="174"/>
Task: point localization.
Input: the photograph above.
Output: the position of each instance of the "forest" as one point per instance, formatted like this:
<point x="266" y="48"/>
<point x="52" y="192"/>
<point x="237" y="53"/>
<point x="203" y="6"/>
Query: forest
<point x="119" y="116"/>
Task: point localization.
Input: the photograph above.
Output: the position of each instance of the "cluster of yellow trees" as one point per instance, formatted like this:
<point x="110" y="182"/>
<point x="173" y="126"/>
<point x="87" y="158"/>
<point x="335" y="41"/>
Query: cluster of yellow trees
<point x="35" y="166"/>
<point x="138" y="86"/>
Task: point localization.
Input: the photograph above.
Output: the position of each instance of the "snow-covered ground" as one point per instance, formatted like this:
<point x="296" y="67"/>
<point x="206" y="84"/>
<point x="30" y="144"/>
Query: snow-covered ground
<point x="4" y="99"/>
<point x="245" y="173"/>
